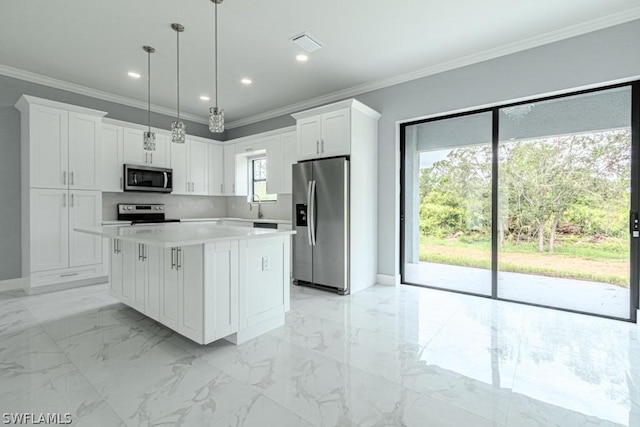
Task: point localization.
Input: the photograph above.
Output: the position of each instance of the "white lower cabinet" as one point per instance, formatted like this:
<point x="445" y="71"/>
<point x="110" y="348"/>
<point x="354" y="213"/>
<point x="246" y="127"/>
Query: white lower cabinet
<point x="205" y="292"/>
<point x="57" y="253"/>
<point x="262" y="295"/>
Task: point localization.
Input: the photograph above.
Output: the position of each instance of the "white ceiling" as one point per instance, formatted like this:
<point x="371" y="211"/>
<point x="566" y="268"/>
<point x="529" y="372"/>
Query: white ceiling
<point x="367" y="44"/>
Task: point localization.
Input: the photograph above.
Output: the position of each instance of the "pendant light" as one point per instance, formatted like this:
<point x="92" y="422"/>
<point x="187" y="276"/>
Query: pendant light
<point x="149" y="137"/>
<point x="216" y="115"/>
<point x="178" y="129"/>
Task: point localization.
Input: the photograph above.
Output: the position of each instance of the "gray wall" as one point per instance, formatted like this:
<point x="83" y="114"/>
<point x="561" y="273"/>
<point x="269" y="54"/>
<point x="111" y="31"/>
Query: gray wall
<point x="590" y="59"/>
<point x="10" y="91"/>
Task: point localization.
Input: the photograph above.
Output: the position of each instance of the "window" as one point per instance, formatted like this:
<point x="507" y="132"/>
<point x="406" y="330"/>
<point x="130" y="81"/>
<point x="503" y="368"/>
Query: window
<point x="258" y="181"/>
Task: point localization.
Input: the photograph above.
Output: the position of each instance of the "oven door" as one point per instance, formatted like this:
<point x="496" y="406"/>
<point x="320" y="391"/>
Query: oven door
<point x="144" y="178"/>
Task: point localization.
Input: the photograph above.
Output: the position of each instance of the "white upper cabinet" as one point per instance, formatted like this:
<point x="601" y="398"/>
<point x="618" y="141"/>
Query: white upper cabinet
<point x="328" y="131"/>
<point x="48" y="130"/>
<point x="189" y="164"/>
<point x="336" y="133"/>
<point x="281" y="154"/>
<point x="215" y="169"/>
<point x="112" y="157"/>
<point x="63" y="144"/>
<point x="309" y="135"/>
<point x="289" y="146"/>
<point x="324" y="135"/>
<point x="230" y="170"/>
<point x="134" y="152"/>
<point x="84" y="151"/>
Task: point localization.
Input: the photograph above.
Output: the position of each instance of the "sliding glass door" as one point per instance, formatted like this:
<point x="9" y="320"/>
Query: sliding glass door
<point x="448" y="204"/>
<point x="564" y="201"/>
<point x="528" y="202"/>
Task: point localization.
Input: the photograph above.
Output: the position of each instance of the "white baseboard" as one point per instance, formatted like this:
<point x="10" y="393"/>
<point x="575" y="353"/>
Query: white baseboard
<point x="12" y="284"/>
<point x="387" y="280"/>
<point x="67" y="285"/>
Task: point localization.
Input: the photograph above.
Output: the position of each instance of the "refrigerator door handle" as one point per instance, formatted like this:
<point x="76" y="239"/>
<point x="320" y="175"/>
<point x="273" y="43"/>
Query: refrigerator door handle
<point x="312" y="214"/>
<point x="309" y="212"/>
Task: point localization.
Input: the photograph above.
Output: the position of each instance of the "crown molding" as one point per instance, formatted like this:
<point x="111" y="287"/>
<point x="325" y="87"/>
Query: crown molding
<point x="93" y="93"/>
<point x="546" y="38"/>
<point x="532" y="42"/>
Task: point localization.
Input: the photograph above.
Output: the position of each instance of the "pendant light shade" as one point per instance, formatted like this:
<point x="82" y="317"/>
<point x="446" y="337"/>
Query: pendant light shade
<point x="178" y="129"/>
<point x="149" y="138"/>
<point x="216" y="114"/>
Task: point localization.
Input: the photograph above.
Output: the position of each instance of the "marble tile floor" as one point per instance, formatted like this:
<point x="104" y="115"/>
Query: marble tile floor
<point x="386" y="356"/>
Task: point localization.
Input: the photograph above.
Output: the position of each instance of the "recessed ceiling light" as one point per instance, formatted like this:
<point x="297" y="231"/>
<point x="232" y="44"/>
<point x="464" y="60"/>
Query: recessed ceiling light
<point x="133" y="75"/>
<point x="246" y="81"/>
<point x="302" y="58"/>
<point x="204" y="98"/>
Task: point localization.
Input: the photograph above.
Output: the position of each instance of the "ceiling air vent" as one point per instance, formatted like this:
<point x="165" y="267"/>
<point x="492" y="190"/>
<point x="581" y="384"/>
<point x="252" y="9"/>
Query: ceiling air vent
<point x="306" y="42"/>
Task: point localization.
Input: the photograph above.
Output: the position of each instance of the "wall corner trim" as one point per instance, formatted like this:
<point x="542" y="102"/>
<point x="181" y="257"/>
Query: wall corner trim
<point x="388" y="280"/>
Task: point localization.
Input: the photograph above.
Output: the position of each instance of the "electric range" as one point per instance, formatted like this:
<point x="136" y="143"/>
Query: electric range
<point x="143" y="213"/>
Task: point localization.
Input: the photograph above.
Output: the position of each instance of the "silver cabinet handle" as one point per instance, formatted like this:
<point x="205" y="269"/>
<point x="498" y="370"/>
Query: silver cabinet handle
<point x="72" y="199"/>
<point x="146" y="157"/>
<point x="64" y="178"/>
<point x="139" y="251"/>
<point x="178" y="259"/>
<point x="322" y="145"/>
<point x="115" y="246"/>
<point x="151" y="155"/>
<point x="173" y="262"/>
<point x="71" y="180"/>
<point x="144" y="252"/>
<point x="317" y="147"/>
<point x="64" y="200"/>
<point x="221" y="189"/>
<point x="121" y="183"/>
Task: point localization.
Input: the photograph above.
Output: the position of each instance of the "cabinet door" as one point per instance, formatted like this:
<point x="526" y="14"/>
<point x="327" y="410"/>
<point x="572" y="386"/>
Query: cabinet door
<point x="191" y="288"/>
<point x="180" y="166"/>
<point x="49" y="237"/>
<point x="161" y="157"/>
<point x="84" y="151"/>
<point x="155" y="271"/>
<point x="289" y="148"/>
<point x="309" y="135"/>
<point x="169" y="290"/>
<point x="49" y="147"/>
<point x="133" y="147"/>
<point x="198" y="167"/>
<point x="129" y="259"/>
<point x="115" y="277"/>
<point x="112" y="158"/>
<point x="275" y="165"/>
<point x="85" y="210"/>
<point x="221" y="292"/>
<point x="261" y="280"/>
<point x="215" y="170"/>
<point x="230" y="170"/>
<point x="336" y="133"/>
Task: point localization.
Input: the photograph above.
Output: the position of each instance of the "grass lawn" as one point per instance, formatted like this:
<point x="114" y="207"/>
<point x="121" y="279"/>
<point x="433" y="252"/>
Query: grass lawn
<point x="604" y="261"/>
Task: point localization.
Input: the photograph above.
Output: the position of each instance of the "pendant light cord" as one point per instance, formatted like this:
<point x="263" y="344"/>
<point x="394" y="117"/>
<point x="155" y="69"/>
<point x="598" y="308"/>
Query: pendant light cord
<point x="149" y="90"/>
<point x="178" y="72"/>
<point x="216" y="47"/>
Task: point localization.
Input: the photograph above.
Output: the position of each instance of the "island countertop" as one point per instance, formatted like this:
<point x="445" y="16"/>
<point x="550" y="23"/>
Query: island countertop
<point x="181" y="234"/>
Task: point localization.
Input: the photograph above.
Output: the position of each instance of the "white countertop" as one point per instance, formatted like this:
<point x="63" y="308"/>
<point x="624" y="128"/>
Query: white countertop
<point x="271" y="221"/>
<point x="180" y="234"/>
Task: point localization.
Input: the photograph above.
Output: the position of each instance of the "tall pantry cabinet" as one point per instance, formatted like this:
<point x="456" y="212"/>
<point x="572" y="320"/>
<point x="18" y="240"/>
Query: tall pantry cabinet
<point x="60" y="191"/>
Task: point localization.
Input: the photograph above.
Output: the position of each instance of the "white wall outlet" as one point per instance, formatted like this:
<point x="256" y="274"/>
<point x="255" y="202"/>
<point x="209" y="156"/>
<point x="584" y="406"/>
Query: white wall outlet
<point x="265" y="263"/>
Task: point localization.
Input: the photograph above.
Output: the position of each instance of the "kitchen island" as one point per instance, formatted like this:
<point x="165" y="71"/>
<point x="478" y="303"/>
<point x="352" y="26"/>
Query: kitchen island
<point x="204" y="281"/>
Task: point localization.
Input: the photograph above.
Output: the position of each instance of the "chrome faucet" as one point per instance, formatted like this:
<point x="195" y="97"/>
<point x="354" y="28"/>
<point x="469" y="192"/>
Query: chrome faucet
<point x="255" y="196"/>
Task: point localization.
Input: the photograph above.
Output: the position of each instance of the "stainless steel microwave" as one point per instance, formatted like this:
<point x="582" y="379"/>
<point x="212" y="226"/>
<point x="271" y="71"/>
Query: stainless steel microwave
<point x="145" y="178"/>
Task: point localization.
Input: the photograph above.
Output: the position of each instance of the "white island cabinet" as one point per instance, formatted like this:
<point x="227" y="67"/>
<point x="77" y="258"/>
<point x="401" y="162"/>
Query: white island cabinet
<point x="204" y="281"/>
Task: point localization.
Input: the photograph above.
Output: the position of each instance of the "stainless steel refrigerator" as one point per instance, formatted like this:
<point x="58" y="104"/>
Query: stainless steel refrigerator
<point x="321" y="219"/>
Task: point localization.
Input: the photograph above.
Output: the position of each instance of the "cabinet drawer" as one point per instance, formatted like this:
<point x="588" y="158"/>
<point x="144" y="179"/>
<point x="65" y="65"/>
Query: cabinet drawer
<point x="45" y="278"/>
